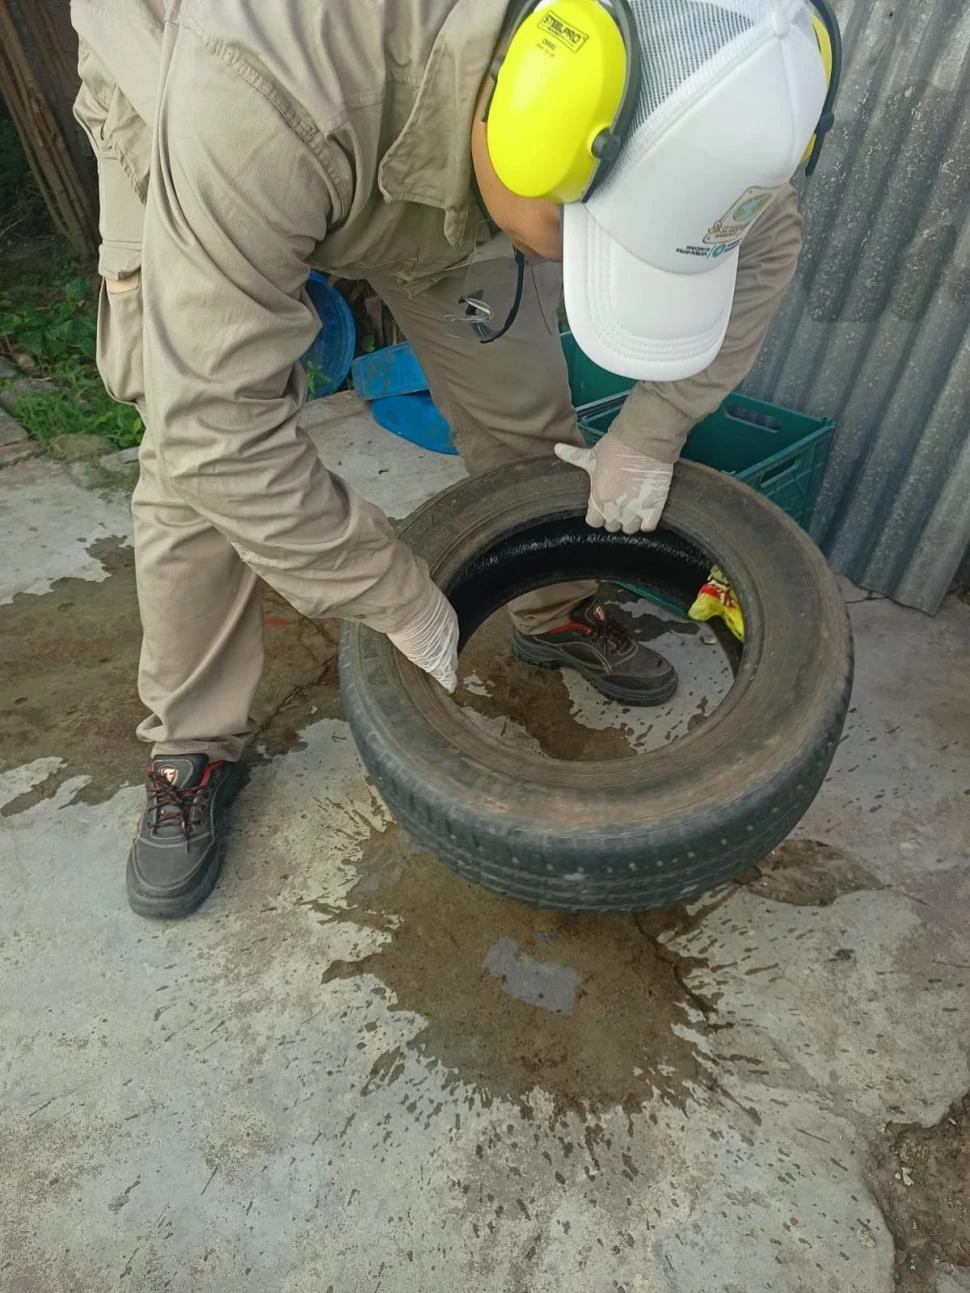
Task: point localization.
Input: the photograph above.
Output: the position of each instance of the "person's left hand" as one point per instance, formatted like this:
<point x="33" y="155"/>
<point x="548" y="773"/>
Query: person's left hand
<point x="628" y="489"/>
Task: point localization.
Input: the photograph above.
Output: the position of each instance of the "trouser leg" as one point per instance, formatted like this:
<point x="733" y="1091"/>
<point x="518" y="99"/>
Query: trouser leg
<point x="201" y="614"/>
<point x="506" y="401"/>
<point x="202" y="646"/>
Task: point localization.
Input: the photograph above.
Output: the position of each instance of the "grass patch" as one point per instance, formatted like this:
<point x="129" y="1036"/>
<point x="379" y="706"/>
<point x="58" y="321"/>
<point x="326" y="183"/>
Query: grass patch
<point x="48" y="319"/>
<point x="45" y="417"/>
<point x="48" y="329"/>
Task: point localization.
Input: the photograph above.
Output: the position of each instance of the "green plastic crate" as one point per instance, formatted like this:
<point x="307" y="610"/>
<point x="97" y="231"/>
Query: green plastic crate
<point x="780" y="453"/>
<point x="587" y="381"/>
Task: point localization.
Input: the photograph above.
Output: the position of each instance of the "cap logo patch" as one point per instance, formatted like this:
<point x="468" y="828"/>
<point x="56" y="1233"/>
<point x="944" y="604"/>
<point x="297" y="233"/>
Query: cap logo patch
<point x="739" y="217"/>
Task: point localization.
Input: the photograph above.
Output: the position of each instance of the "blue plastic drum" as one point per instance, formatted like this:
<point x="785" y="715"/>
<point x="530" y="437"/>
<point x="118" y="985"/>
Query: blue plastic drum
<point x="414" y="418"/>
<point x="392" y="370"/>
<point x="328" y="360"/>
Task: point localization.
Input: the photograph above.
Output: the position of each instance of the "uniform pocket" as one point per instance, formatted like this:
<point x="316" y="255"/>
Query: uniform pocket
<point x="120" y="351"/>
<point x="121" y="142"/>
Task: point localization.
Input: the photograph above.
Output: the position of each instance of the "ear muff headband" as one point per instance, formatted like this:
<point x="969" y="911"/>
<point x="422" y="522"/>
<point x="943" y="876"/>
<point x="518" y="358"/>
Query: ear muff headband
<point x="829" y="39"/>
<point x="565" y="90"/>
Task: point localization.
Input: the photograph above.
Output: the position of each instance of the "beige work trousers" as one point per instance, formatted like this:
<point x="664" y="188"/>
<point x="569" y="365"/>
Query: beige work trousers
<point x="202" y="651"/>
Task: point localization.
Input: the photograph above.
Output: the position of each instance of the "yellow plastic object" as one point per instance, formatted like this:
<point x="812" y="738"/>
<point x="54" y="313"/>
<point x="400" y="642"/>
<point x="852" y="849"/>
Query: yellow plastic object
<point x="824" y="39"/>
<point x="559" y="87"/>
<point x="717" y="598"/>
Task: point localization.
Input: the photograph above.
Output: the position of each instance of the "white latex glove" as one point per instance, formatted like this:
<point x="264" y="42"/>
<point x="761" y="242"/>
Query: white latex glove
<point x="628" y="489"/>
<point x="431" y="640"/>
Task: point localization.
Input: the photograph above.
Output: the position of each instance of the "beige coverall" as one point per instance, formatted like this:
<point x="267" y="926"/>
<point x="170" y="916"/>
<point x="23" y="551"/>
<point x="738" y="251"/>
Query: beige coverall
<point x="280" y="136"/>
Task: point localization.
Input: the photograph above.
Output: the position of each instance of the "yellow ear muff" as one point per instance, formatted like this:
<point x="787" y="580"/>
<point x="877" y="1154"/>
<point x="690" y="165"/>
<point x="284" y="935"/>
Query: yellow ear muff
<point x="824" y="38"/>
<point x="557" y="94"/>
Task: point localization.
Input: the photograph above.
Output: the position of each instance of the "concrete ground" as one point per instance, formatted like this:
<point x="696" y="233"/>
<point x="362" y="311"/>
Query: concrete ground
<point x="352" y="1072"/>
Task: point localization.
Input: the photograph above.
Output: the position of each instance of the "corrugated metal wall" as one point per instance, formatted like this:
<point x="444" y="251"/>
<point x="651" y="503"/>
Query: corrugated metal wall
<point x="876" y="329"/>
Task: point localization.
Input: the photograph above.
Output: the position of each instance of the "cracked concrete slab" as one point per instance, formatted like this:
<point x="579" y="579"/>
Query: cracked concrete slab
<point x="953" y="1281"/>
<point x="50" y="524"/>
<point x="15" y="445"/>
<point x="353" y="1070"/>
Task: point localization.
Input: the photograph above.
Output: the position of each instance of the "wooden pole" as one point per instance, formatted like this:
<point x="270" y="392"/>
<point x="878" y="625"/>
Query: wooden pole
<point x="38" y="81"/>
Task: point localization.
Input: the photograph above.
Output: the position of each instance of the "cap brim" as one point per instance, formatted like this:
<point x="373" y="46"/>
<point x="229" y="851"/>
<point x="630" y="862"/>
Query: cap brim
<point x="634" y="319"/>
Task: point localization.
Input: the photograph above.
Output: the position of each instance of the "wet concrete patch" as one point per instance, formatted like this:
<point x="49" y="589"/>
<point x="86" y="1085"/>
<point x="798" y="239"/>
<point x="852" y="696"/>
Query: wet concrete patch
<point x="924" y="1192"/>
<point x="300" y="683"/>
<point x="808" y="873"/>
<point x="593" y="1012"/>
<point x="536" y="700"/>
<point x="69" y="684"/>
<point x="68" y="687"/>
<point x="538" y="983"/>
<point x="561" y="715"/>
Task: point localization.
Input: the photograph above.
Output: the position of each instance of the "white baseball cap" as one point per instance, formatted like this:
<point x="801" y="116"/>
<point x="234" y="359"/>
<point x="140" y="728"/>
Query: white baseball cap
<point x="731" y="93"/>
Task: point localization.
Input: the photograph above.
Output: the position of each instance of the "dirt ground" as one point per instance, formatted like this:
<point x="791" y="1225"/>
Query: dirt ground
<point x="81" y="641"/>
<point x="925" y="1196"/>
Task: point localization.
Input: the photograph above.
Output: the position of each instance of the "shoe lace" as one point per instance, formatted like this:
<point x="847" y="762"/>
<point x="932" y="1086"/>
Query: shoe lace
<point x="168" y="804"/>
<point x="612" y="634"/>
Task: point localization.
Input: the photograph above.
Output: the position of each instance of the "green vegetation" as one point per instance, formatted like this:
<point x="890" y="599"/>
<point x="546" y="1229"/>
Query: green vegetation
<point x="55" y="334"/>
<point x="50" y="333"/>
<point x="316" y="378"/>
<point x="44" y="417"/>
<point x="48" y="320"/>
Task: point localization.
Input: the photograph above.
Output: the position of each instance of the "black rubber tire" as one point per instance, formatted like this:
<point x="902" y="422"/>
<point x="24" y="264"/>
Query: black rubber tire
<point x="627" y="834"/>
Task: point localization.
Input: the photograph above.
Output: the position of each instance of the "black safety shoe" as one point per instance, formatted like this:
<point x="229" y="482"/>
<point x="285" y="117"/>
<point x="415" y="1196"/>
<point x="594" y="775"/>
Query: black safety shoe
<point x="605" y="652"/>
<point x="178" y="849"/>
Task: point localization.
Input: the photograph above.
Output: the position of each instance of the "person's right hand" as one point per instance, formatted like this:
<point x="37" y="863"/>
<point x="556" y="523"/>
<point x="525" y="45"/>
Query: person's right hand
<point x="628" y="489"/>
<point x="430" y="640"/>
